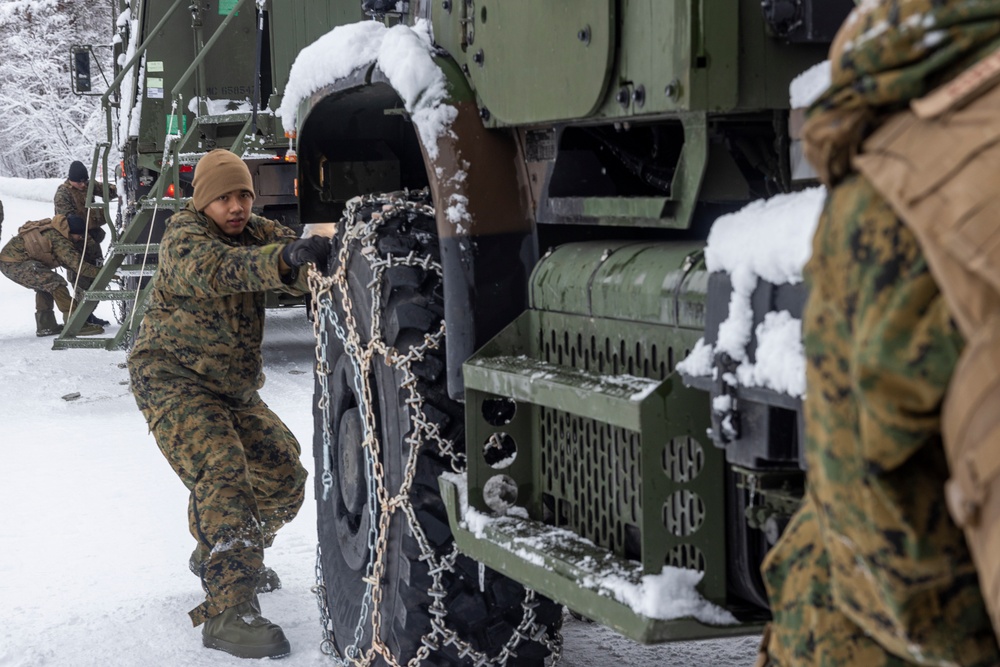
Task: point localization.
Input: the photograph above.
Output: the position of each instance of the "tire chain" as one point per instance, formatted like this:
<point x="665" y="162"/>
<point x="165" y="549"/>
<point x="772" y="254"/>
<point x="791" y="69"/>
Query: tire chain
<point x="425" y="432"/>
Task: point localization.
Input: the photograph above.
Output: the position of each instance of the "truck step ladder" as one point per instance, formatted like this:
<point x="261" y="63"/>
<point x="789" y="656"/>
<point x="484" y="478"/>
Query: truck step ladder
<point x="117" y="269"/>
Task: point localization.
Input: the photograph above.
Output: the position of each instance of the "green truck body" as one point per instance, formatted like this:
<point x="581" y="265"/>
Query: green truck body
<point x="498" y="408"/>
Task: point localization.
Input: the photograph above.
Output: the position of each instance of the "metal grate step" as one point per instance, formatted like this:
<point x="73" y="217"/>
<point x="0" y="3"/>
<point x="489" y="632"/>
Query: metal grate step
<point x="136" y="271"/>
<point x="110" y="295"/>
<point x="572" y="571"/>
<point x="84" y="342"/>
<point x="167" y="203"/>
<point x="135" y="248"/>
<point x="614" y="399"/>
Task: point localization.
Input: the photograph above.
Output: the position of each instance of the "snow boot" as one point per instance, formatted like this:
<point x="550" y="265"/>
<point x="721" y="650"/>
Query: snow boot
<point x="267" y="579"/>
<point x="46" y="325"/>
<point x="243" y="632"/>
<point x="90" y="330"/>
<point x="87" y="329"/>
<point x="94" y="319"/>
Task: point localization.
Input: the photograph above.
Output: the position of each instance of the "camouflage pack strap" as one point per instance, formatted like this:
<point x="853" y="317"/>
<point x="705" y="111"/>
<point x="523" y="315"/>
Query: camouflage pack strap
<point x="36" y="244"/>
<point x="937" y="166"/>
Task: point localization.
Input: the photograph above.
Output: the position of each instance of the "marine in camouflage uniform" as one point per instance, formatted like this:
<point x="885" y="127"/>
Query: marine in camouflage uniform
<point x="37" y="273"/>
<point x="71" y="199"/>
<point x="196" y="369"/>
<point x="871" y="570"/>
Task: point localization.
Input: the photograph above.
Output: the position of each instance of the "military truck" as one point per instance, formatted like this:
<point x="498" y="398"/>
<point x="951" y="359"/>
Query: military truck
<point x="189" y="77"/>
<point x="521" y="194"/>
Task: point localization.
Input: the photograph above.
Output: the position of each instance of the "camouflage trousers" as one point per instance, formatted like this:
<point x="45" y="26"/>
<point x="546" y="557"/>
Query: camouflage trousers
<point x="49" y="286"/>
<point x="871" y="570"/>
<point x="241" y="465"/>
<point x="92" y="254"/>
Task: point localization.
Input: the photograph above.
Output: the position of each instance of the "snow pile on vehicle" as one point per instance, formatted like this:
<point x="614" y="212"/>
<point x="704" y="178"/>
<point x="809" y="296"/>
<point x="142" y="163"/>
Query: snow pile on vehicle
<point x="809" y="85"/>
<point x="770" y="240"/>
<point x="401" y="52"/>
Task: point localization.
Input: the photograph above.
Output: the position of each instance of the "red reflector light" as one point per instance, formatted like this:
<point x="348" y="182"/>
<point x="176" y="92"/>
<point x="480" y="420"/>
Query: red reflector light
<point x="186" y="169"/>
<point x="170" y="190"/>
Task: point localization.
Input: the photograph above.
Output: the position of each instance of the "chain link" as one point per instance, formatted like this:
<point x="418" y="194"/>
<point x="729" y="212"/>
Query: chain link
<point x="354" y="231"/>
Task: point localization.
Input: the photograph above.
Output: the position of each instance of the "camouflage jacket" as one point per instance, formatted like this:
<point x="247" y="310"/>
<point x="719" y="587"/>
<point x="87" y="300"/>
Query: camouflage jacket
<point x="63" y="251"/>
<point x="885" y="55"/>
<point x="205" y="315"/>
<point x="71" y="201"/>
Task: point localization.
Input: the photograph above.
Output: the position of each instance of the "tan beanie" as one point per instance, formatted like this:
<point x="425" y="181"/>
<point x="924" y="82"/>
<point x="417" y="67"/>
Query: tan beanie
<point x="217" y="173"/>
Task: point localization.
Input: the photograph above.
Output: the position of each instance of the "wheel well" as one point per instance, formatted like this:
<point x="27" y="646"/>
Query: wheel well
<point x="356" y="141"/>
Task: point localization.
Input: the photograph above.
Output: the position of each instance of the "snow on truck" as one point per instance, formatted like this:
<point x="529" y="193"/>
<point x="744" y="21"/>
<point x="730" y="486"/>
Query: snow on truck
<point x="523" y="195"/>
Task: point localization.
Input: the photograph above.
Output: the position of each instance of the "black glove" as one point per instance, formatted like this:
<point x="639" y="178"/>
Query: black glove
<point x="313" y="250"/>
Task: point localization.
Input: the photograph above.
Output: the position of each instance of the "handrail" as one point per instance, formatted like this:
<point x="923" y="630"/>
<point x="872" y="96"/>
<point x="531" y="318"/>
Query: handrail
<point x="139" y="51"/>
<point x="206" y="48"/>
<point x="175" y="91"/>
<point x="106" y="105"/>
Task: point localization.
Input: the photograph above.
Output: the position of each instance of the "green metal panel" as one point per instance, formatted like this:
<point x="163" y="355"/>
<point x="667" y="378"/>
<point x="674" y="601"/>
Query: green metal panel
<point x="767" y="65"/>
<point x="295" y="24"/>
<point x="645" y="281"/>
<point x="531" y="60"/>
<point x="660" y="281"/>
<point x="666" y="56"/>
<point x="228" y="75"/>
<point x="561" y="281"/>
<point x="658" y="40"/>
<point x="625" y="469"/>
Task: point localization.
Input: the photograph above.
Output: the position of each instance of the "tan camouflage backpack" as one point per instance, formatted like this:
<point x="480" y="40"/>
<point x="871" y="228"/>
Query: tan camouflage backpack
<point x="938" y="165"/>
<point x="36" y="244"/>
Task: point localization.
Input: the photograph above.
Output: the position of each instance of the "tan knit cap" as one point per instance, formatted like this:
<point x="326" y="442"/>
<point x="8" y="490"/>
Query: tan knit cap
<point x="217" y="173"/>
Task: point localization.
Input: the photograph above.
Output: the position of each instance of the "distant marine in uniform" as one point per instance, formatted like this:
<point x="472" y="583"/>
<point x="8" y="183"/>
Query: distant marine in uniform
<point x="30" y="259"/>
<point x="71" y="199"/>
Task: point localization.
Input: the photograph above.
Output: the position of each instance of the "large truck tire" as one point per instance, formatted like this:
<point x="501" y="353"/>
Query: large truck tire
<point x="387" y="431"/>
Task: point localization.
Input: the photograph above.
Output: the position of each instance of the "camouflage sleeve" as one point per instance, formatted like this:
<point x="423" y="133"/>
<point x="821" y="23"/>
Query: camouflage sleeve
<point x="905" y="344"/>
<point x="93" y="252"/>
<point x="99" y="190"/>
<point x="64" y="202"/>
<point x="193" y="263"/>
<point x="69" y="257"/>
<point x="272" y="231"/>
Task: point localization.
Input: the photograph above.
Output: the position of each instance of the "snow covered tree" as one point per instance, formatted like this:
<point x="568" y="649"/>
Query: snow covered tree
<point x="43" y="125"/>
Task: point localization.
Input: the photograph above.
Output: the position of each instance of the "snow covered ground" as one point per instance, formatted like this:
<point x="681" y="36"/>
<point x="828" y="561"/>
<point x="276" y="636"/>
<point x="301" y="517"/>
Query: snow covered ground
<point x="94" y="543"/>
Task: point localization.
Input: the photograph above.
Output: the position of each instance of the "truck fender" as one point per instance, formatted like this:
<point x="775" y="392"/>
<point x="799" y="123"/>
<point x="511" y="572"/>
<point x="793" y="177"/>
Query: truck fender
<point x="483" y="213"/>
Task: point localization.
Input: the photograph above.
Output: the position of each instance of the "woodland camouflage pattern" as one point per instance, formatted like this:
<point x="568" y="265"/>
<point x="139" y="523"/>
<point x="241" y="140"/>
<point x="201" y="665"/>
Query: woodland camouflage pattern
<point x="49" y="286"/>
<point x="871" y="570"/>
<point x="62" y="249"/>
<point x="886" y="54"/>
<point x="72" y="201"/>
<point x="195" y="369"/>
<point x="16" y="264"/>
